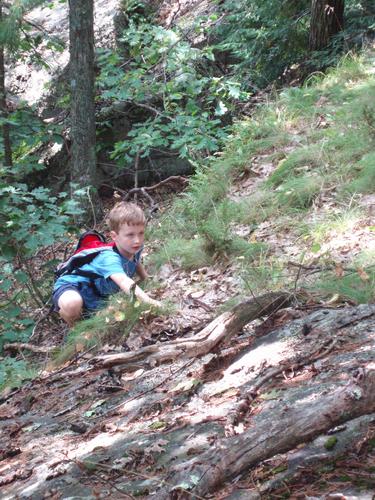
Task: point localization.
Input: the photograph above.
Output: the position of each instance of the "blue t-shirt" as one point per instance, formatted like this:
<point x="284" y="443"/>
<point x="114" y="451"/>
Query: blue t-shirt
<point x="105" y="264"/>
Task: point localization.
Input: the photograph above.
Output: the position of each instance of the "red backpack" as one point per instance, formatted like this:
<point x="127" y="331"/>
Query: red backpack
<point x="90" y="244"/>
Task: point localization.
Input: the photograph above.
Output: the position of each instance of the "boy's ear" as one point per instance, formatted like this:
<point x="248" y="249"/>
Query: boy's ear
<point x="113" y="234"/>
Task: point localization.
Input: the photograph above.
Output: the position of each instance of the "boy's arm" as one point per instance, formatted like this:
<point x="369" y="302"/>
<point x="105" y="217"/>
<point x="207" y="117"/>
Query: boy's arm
<point x="126" y="283"/>
<point x="141" y="271"/>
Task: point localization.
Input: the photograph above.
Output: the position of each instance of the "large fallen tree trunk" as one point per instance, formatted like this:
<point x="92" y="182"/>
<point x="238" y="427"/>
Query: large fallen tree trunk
<point x="311" y="416"/>
<point x="222" y="328"/>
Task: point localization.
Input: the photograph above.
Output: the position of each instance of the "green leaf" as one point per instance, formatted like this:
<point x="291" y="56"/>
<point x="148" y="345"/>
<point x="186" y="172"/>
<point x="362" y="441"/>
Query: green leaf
<point x="315" y="247"/>
<point x="330" y="443"/>
<point x="221" y="109"/>
<point x="160" y="424"/>
<point x="5" y="285"/>
<point x="21" y="277"/>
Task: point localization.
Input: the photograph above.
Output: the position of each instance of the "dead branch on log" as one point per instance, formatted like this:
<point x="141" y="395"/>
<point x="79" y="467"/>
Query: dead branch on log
<point x="220" y="329"/>
<point x="145" y="190"/>
<point x="179" y="179"/>
<point x="287" y="430"/>
<point x="153" y="206"/>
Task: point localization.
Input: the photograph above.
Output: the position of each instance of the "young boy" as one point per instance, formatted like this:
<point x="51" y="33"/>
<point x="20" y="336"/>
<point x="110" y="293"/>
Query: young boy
<point x="73" y="294"/>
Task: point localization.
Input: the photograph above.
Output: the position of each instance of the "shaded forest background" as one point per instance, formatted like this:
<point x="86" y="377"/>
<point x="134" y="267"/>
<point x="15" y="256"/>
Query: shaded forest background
<point x="246" y="131"/>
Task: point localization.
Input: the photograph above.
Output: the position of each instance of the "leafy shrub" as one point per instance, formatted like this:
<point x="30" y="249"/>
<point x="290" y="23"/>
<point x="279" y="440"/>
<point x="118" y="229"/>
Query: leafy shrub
<point x="296" y="164"/>
<point x="257" y="207"/>
<point x="29" y="219"/>
<point x="262" y="38"/>
<point x="186" y="253"/>
<point x="110" y="325"/>
<point x="14" y="372"/>
<point x="266" y="273"/>
<point x="181" y="99"/>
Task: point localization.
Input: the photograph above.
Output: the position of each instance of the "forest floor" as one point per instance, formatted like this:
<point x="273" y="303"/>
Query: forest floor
<point x="273" y="397"/>
<point x="136" y="429"/>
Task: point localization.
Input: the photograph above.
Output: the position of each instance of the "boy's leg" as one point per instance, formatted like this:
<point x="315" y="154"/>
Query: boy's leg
<point x="70" y="306"/>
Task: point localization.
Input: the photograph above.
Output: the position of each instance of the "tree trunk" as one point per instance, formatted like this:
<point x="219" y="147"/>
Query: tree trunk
<point x="82" y="78"/>
<point x="327" y="19"/>
<point x="3" y="106"/>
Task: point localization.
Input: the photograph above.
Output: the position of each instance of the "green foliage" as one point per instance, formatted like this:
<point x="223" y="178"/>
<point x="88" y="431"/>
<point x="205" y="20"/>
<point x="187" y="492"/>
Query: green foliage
<point x="28" y="136"/>
<point x="218" y="233"/>
<point x="339" y="224"/>
<point x="262" y="38"/>
<point x="325" y="145"/>
<point x="20" y="37"/>
<point x="365" y="181"/>
<point x="330" y="443"/>
<point x="174" y="82"/>
<point x="29" y="219"/>
<point x="188" y="253"/>
<point x="266" y="273"/>
<point x="256" y="208"/>
<point x="265" y="41"/>
<point x="110" y="325"/>
<point x="14" y="372"/>
<point x="358" y="287"/>
<point x="296" y="164"/>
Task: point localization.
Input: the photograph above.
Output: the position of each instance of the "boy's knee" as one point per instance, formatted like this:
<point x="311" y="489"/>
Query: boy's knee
<point x="70" y="305"/>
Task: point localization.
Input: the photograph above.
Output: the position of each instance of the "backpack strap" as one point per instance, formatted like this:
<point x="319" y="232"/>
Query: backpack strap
<point x="77" y="260"/>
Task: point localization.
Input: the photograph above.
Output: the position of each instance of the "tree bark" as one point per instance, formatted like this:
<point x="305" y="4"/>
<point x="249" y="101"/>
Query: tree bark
<point x="288" y="428"/>
<point x="82" y="79"/>
<point x="3" y="106"/>
<point x="327" y="19"/>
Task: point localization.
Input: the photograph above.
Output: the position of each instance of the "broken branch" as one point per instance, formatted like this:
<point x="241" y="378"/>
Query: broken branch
<point x="222" y="328"/>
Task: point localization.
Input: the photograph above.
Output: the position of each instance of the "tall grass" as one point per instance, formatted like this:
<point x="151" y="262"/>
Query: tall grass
<point x="320" y="140"/>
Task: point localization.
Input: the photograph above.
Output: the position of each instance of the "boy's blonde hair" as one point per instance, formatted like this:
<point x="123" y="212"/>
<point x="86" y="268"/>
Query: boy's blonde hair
<point x="125" y="213"/>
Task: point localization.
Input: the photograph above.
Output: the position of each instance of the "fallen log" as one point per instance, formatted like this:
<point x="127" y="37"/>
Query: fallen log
<point x="222" y="328"/>
<point x="290" y="426"/>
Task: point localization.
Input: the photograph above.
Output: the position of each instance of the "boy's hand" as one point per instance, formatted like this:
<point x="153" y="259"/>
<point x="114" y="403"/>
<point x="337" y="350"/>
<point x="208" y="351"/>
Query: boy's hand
<point x="127" y="285"/>
<point x="154" y="302"/>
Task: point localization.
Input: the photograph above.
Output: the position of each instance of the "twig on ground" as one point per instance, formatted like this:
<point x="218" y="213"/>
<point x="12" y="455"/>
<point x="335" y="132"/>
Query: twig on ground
<point x="37" y="323"/>
<point x="17" y="346"/>
<point x="109" y="468"/>
<point x="185" y="365"/>
<point x="153" y="205"/>
<point x="173" y="178"/>
<point x="66" y="410"/>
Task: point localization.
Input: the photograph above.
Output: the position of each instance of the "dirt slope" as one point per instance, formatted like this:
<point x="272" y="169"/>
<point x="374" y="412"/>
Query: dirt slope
<point x="196" y="424"/>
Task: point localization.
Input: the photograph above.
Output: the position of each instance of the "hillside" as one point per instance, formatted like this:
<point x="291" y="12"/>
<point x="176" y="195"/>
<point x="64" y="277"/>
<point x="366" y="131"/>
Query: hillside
<point x="258" y="382"/>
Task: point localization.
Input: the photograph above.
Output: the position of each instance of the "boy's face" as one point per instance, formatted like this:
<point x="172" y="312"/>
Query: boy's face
<point x="129" y="239"/>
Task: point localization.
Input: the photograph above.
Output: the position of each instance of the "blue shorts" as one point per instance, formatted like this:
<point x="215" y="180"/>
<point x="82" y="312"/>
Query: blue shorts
<point x="91" y="300"/>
